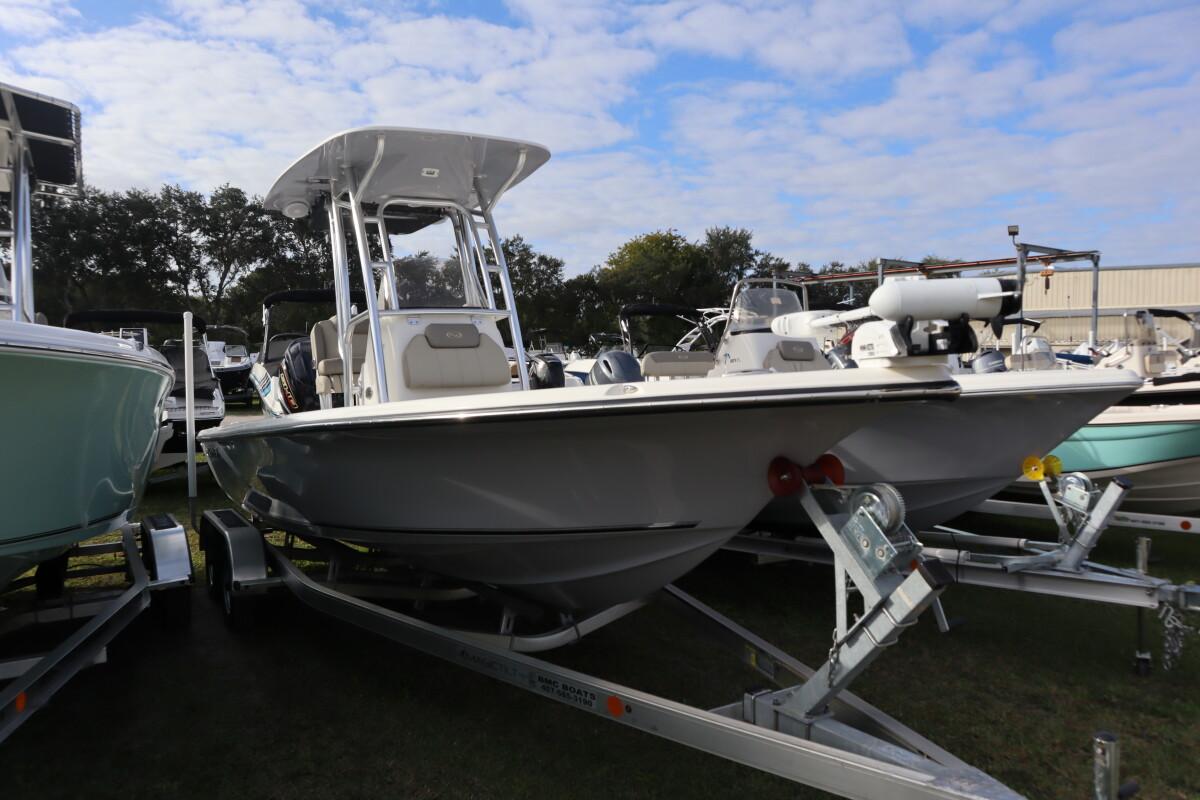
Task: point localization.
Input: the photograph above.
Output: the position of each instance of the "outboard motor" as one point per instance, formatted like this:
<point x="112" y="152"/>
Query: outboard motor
<point x="298" y="378"/>
<point x="615" y="366"/>
<point x="839" y="356"/>
<point x="988" y="362"/>
<point x="546" y="372"/>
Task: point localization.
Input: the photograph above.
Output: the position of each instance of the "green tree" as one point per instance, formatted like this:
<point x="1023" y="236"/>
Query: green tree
<point x="537" y="281"/>
<point x="234" y="234"/>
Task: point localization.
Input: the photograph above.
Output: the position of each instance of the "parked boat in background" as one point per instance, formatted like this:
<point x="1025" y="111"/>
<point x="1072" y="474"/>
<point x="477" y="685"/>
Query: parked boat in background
<point x="1152" y="438"/>
<point x="80" y="411"/>
<point x="229" y="358"/>
<point x="284" y="374"/>
<point x="944" y="459"/>
<point x="209" y="402"/>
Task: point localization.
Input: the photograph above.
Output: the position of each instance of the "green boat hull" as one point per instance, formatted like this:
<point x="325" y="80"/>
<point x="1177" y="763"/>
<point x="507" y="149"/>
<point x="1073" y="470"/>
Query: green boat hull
<point x="1160" y="460"/>
<point x="80" y="437"/>
<point x="1095" y="448"/>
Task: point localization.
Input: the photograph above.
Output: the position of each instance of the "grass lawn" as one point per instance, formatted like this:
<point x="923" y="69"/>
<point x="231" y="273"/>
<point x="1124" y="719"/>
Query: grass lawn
<point x="303" y="706"/>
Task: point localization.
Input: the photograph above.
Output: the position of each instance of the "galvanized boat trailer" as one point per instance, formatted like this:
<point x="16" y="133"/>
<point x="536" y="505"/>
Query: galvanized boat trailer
<point x="1059" y="568"/>
<point x="811" y="730"/>
<point x="156" y="558"/>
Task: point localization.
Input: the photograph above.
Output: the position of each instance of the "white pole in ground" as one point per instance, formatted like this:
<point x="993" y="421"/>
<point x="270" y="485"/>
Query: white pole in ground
<point x="1106" y="766"/>
<point x="189" y="383"/>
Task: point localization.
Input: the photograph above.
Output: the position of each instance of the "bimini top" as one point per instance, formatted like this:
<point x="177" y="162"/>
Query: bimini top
<point x="657" y="310"/>
<point x="50" y="131"/>
<point x="310" y="296"/>
<point x="130" y="316"/>
<point x="407" y="162"/>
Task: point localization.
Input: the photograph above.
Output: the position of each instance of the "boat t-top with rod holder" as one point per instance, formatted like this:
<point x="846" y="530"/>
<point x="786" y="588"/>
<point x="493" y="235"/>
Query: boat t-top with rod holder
<point x="811" y="730"/>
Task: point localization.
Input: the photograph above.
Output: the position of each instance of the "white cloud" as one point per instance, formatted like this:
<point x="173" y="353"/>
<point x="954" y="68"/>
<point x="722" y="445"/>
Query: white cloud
<point x="34" y="18"/>
<point x="281" y="21"/>
<point x="823" y="38"/>
<point x="1090" y="144"/>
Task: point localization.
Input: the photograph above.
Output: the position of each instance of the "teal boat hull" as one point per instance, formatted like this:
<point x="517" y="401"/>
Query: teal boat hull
<point x="81" y="429"/>
<point x="1161" y="460"/>
<point x="1098" y="448"/>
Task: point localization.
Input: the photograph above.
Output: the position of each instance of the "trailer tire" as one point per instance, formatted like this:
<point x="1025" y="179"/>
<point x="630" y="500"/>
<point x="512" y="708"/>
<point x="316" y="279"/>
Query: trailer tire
<point x="174" y="607"/>
<point x="212" y="572"/>
<point x="50" y="577"/>
<point x="237" y="609"/>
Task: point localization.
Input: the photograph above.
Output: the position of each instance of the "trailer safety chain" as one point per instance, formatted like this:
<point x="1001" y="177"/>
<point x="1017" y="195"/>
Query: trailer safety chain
<point x="834" y="652"/>
<point x="1175" y="630"/>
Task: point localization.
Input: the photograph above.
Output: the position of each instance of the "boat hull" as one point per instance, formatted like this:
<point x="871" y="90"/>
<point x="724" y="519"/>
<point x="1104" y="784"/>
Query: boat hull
<point x="946" y="459"/>
<point x="235" y="382"/>
<point x="1156" y="449"/>
<point x="643" y="492"/>
<point x="80" y="437"/>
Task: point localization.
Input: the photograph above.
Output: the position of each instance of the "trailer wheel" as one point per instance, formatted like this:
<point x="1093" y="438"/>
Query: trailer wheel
<point x="50" y="577"/>
<point x="236" y="609"/>
<point x="212" y="572"/>
<point x="174" y="607"/>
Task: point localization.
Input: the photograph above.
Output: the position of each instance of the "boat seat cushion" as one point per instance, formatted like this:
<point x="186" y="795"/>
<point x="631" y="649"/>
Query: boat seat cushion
<point x="204" y="381"/>
<point x="333" y="366"/>
<point x="442" y="336"/>
<point x="325" y="353"/>
<point x="677" y="364"/>
<point x="454" y="357"/>
<point x="794" y="355"/>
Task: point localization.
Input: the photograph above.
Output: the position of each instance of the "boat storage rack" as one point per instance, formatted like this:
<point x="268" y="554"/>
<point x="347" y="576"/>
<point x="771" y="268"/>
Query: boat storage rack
<point x="1081" y="512"/>
<point x="810" y="729"/>
<point x="155" y="558"/>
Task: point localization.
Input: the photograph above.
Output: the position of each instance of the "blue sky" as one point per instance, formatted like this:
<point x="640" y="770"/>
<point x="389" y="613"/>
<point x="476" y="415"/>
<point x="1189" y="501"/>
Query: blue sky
<point x="834" y="129"/>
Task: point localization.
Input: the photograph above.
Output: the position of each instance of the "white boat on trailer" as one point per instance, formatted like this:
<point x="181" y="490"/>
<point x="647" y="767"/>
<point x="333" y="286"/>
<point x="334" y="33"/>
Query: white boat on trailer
<point x="478" y="484"/>
<point x="944" y="458"/>
<point x="460" y="484"/>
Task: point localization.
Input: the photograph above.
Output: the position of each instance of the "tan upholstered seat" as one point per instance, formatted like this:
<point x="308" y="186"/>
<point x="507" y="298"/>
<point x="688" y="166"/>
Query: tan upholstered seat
<point x="794" y="355"/>
<point x="454" y="356"/>
<point x="677" y="364"/>
<point x="330" y="369"/>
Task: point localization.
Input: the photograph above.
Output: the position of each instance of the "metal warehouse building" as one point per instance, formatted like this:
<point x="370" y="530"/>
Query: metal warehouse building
<point x="1062" y="298"/>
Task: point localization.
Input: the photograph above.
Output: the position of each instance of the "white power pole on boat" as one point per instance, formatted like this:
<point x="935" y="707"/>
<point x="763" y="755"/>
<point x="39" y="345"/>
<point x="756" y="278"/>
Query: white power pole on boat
<point x="189" y="383"/>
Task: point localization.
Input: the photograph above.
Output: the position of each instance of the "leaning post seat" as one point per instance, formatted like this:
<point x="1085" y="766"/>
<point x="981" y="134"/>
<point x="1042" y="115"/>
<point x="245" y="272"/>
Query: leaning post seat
<point x="795" y="355"/>
<point x="327" y="359"/>
<point x="204" y="381"/>
<point x="677" y="364"/>
<point x="435" y="353"/>
<point x="454" y="356"/>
